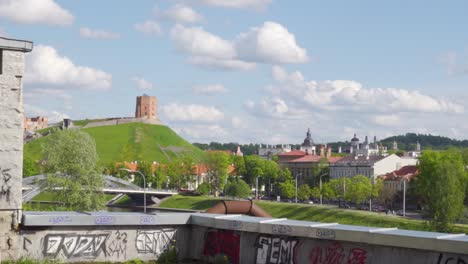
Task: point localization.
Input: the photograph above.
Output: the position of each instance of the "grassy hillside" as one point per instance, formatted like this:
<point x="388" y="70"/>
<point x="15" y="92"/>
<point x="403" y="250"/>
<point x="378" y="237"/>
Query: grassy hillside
<point x="128" y="142"/>
<point x="315" y="213"/>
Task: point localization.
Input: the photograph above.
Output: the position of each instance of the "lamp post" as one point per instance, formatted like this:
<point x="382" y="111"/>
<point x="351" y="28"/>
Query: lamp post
<point x="299" y="174"/>
<point x="404" y="197"/>
<point x="321" y="186"/>
<point x="256" y="187"/>
<point x="144" y="185"/>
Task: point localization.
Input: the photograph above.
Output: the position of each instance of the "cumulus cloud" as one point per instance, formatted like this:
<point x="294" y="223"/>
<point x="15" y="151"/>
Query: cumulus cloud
<point x="351" y="95"/>
<point x="386" y="120"/>
<point x="45" y="65"/>
<point x="47" y="96"/>
<point x="270" y="43"/>
<point x="182" y="13"/>
<point x="98" y="34"/>
<point x="238" y="122"/>
<point x="149" y="27"/>
<point x="257" y="4"/>
<point x="203" y="133"/>
<point x="192" y="112"/>
<point x="210" y="89"/>
<point x="54" y="116"/>
<point x="35" y="12"/>
<point x="141" y="83"/>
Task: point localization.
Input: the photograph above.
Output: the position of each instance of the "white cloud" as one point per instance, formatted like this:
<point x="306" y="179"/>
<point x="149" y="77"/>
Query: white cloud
<point x="98" y="34"/>
<point x="198" y="42"/>
<point x="47" y="96"/>
<point x="210" y="89"/>
<point x="238" y="122"/>
<point x="44" y="65"/>
<point x="351" y="95"/>
<point x="148" y="27"/>
<point x="270" y="43"/>
<point x="257" y="4"/>
<point x="35" y="12"/>
<point x="192" y="112"/>
<point x="203" y="133"/>
<point x="53" y="115"/>
<point x="182" y="13"/>
<point x="141" y="83"/>
<point x="386" y="120"/>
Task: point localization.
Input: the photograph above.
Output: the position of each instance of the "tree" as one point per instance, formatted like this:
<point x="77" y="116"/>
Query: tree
<point x="287" y="189"/>
<point x="254" y="166"/>
<point x="237" y="188"/>
<point x="360" y="189"/>
<point x="303" y="192"/>
<point x="72" y="173"/>
<point x="239" y="164"/>
<point x="315" y="192"/>
<point x="146" y="168"/>
<point x="203" y="189"/>
<point x="340" y="188"/>
<point x="217" y="163"/>
<point x="270" y="174"/>
<point x="30" y="168"/>
<point x="441" y="183"/>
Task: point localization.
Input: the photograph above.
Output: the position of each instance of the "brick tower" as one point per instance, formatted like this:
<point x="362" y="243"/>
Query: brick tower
<point x="146" y="107"/>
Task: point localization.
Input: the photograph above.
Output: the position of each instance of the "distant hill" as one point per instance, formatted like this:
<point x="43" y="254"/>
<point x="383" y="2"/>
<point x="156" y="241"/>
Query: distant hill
<point x="408" y="141"/>
<point x="129" y="142"/>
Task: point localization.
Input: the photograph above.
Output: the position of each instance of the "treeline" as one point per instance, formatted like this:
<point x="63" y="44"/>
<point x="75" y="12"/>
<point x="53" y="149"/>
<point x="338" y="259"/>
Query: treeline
<point x="408" y="142"/>
<point x="247" y="149"/>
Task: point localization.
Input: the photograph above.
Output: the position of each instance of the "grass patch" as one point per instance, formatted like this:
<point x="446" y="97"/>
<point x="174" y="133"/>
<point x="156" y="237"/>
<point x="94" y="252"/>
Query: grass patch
<point x="314" y="213"/>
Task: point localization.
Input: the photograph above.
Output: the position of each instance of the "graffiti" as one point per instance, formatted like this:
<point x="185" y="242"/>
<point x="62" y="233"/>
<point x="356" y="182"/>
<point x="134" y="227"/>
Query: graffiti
<point x="118" y="247"/>
<point x="281" y="229"/>
<point x="146" y="220"/>
<point x="235" y="224"/>
<point x="271" y="249"/>
<point x="104" y="220"/>
<point x="154" y="242"/>
<point x="26" y="244"/>
<point x="72" y="245"/>
<point x="450" y="260"/>
<point x="334" y="253"/>
<point x="5" y="191"/>
<point x="60" y="219"/>
<point x="222" y="242"/>
<point x="326" y="233"/>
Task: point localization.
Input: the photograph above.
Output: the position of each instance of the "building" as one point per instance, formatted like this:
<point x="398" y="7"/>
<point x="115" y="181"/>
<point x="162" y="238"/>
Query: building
<point x="268" y="151"/>
<point x="238" y="152"/>
<point x="146" y="107"/>
<point x="393" y="181"/>
<point x="308" y="145"/>
<point x="35" y="123"/>
<point x="365" y="148"/>
<point x="370" y="166"/>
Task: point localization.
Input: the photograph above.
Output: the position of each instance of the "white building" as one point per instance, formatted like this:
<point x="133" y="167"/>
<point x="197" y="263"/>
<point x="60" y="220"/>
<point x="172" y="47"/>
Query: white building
<point x="370" y="166"/>
<point x="365" y="148"/>
<point x="308" y="145"/>
<point x="268" y="151"/>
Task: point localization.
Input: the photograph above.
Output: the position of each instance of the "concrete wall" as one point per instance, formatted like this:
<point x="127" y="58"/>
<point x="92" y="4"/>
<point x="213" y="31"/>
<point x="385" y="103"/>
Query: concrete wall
<point x="11" y="149"/>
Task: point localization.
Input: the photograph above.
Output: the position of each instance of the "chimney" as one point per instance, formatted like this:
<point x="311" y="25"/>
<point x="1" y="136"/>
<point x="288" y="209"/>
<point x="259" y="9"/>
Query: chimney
<point x="322" y="151"/>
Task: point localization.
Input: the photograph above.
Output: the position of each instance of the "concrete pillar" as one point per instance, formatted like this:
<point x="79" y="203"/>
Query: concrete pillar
<point x="11" y="143"/>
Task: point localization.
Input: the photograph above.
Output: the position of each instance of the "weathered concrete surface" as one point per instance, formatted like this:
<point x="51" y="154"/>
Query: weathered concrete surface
<point x="11" y="150"/>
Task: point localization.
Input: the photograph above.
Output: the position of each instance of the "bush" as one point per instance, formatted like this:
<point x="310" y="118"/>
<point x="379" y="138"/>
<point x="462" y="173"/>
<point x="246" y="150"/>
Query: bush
<point x="203" y="189"/>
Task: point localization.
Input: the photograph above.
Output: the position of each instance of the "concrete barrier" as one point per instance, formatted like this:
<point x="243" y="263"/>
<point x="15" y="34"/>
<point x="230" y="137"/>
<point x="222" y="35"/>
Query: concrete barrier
<point x="118" y="237"/>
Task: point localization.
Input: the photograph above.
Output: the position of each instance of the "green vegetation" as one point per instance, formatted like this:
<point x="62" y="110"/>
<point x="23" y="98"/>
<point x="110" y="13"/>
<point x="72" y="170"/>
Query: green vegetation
<point x="236" y="187"/>
<point x="53" y="261"/>
<point x="128" y="142"/>
<point x="72" y="171"/>
<point x="315" y="213"/>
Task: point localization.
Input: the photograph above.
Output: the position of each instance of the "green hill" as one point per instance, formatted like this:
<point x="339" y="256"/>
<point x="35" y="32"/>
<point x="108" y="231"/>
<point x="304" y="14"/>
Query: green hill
<point x="129" y="142"/>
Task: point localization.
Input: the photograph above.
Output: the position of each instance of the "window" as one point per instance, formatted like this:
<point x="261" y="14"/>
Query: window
<point x="1" y="61"/>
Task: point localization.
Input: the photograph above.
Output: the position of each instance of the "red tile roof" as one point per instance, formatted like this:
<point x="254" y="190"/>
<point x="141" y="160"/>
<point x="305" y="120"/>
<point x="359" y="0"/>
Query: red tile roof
<point x="406" y="172"/>
<point x="293" y="153"/>
<point x="315" y="158"/>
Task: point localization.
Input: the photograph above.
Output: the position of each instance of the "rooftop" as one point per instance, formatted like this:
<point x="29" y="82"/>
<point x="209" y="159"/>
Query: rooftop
<point x="16" y="44"/>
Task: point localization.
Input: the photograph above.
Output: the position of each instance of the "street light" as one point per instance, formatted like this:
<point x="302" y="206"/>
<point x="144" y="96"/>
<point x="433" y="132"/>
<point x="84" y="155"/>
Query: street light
<point x="144" y="185"/>
<point x="299" y="174"/>
<point x="321" y="186"/>
<point x="256" y="187"/>
<point x="404" y="197"/>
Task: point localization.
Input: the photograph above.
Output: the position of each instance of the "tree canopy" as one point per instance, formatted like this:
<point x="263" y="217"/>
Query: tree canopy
<point x="237" y="188"/>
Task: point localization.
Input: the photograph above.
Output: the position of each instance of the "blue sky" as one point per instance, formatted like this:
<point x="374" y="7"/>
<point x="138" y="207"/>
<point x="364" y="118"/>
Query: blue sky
<point x="250" y="70"/>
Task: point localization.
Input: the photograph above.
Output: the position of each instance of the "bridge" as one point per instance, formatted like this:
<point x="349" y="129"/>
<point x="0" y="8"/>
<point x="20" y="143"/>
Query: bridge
<point x="113" y="185"/>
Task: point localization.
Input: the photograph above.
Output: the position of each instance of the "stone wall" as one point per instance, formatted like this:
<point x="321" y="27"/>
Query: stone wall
<point x="11" y="150"/>
<point x="121" y="121"/>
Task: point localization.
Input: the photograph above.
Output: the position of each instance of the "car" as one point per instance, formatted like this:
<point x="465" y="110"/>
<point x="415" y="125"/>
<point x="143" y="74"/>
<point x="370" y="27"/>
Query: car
<point x="399" y="212"/>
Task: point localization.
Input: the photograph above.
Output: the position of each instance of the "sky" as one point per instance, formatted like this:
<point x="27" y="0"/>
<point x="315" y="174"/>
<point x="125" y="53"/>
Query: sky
<point x="250" y="71"/>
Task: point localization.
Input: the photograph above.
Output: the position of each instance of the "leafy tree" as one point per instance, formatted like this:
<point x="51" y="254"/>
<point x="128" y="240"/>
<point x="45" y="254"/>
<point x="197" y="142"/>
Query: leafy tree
<point x="315" y="192"/>
<point x="239" y="164"/>
<point x="174" y="171"/>
<point x="146" y="168"/>
<point x="237" y="188"/>
<point x="203" y="189"/>
<point x="360" y="189"/>
<point x="217" y="163"/>
<point x="328" y="191"/>
<point x="254" y="166"/>
<point x="30" y="168"/>
<point x="441" y="183"/>
<point x="72" y="173"/>
<point x="340" y="188"/>
<point x="159" y="177"/>
<point x="287" y="189"/>
<point x="303" y="192"/>
<point x="271" y="173"/>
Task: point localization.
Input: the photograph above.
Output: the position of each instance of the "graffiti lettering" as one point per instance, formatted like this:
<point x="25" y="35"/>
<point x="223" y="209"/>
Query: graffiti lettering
<point x="154" y="242"/>
<point x="326" y="233"/>
<point x="281" y="229"/>
<point x="60" y="219"/>
<point x="146" y="220"/>
<point x="26" y="244"/>
<point x="71" y="245"/>
<point x="335" y="253"/>
<point x="5" y="191"/>
<point x="236" y="224"/>
<point x="104" y="220"/>
<point x="222" y="242"/>
<point x="450" y="260"/>
<point x="118" y="246"/>
<point x="271" y="249"/>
